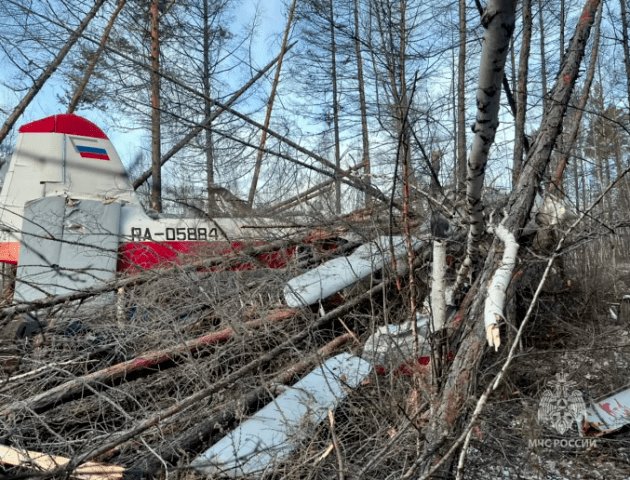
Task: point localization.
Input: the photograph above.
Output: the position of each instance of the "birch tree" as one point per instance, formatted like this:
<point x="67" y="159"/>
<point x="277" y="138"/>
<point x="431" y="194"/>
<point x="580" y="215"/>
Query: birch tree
<point x="456" y="386"/>
<point x="498" y="21"/>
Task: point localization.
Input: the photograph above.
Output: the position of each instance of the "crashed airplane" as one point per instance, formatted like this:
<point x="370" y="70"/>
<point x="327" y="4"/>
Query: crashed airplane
<point x="70" y="217"/>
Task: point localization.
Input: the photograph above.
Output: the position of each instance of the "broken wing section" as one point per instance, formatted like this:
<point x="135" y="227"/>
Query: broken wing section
<point x="339" y="273"/>
<point x="605" y="416"/>
<point x="284" y="424"/>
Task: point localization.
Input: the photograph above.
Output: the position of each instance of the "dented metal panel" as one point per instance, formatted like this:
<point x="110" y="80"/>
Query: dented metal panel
<point x="283" y="425"/>
<point x="606" y="415"/>
<point x="66" y="246"/>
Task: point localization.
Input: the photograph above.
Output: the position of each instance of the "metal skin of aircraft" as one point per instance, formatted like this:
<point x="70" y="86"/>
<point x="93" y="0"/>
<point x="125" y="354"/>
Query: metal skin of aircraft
<point x="67" y="204"/>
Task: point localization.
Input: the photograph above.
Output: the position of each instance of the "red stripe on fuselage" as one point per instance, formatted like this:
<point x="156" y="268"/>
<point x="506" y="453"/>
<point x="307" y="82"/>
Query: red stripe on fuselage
<point x="146" y="255"/>
<point x="98" y="156"/>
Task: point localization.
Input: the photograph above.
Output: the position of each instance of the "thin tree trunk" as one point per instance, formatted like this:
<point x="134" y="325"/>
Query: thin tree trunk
<point x="513" y="65"/>
<point x="585" y="185"/>
<point x="436" y="157"/>
<point x="626" y="52"/>
<point x="573" y="133"/>
<point x="624" y="193"/>
<point x="47" y="73"/>
<point x="450" y="401"/>
<point x="209" y="146"/>
<point x="576" y="184"/>
<point x="506" y="83"/>
<point x="156" y="142"/>
<point x="461" y="100"/>
<point x="521" y="94"/>
<point x="498" y="21"/>
<point x="95" y="58"/>
<point x="333" y="55"/>
<point x="543" y="61"/>
<point x="364" y="124"/>
<point x="454" y="93"/>
<point x="272" y="96"/>
<point x="562" y="19"/>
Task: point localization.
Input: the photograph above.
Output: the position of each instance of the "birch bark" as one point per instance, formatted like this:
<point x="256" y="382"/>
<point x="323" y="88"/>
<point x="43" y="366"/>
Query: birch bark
<point x="498" y="20"/>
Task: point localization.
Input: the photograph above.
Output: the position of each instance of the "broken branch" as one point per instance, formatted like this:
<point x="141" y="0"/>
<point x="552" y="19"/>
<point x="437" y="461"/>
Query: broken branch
<point x="66" y="390"/>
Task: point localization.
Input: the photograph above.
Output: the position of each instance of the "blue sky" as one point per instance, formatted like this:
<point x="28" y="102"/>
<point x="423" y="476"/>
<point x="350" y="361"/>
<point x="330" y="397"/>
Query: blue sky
<point x="271" y="27"/>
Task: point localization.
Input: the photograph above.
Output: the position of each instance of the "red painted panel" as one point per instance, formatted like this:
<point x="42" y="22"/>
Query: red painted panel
<point x="45" y="125"/>
<point x="97" y="156"/>
<point x="68" y="123"/>
<point x="145" y="255"/>
<point x="10" y="252"/>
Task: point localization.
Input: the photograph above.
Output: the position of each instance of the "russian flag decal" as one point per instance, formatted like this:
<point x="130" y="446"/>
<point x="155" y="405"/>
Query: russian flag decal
<point x="92" y="152"/>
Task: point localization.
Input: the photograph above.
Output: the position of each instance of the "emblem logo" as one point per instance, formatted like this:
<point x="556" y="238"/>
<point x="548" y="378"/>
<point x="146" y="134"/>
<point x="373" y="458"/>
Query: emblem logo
<point x="561" y="404"/>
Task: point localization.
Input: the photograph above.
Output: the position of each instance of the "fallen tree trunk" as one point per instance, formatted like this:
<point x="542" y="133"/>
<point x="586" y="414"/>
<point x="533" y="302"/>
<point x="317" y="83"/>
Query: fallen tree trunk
<point x="450" y="401"/>
<point x="60" y="393"/>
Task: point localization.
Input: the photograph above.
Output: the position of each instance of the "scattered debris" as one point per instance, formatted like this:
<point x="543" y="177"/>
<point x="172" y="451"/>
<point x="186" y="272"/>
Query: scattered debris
<point x="392" y="345"/>
<point x="605" y="416"/>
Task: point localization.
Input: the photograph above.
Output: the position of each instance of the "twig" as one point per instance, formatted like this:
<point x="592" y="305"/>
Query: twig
<point x="335" y="441"/>
<point x="462" y="457"/>
<point x="61" y="392"/>
<point x="391" y="442"/>
<point x="41" y="369"/>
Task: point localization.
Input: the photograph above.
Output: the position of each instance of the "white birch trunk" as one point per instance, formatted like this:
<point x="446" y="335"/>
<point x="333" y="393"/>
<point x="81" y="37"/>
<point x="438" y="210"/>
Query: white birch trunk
<point x="495" y="301"/>
<point x="438" y="287"/>
<point x="498" y="21"/>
